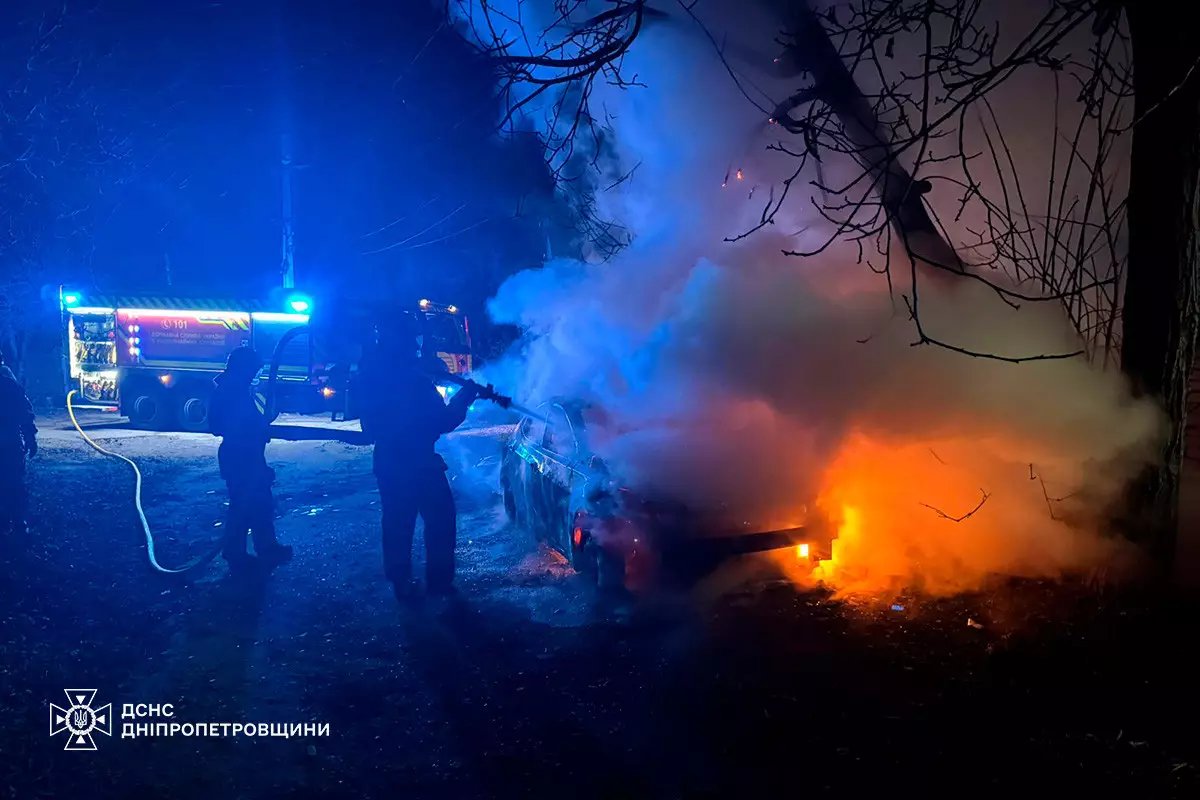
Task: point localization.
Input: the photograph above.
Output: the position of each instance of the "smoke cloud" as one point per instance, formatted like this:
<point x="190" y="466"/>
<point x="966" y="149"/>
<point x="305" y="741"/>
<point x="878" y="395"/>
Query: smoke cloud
<point x="788" y="388"/>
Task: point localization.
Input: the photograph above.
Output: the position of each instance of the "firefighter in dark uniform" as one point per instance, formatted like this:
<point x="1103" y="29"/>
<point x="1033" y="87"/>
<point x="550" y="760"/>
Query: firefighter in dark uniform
<point x="18" y="441"/>
<point x="244" y="431"/>
<point x="404" y="415"/>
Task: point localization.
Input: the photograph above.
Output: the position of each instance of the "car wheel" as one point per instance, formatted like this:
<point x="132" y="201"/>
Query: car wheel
<point x="574" y="546"/>
<point x="589" y="561"/>
<point x="610" y="571"/>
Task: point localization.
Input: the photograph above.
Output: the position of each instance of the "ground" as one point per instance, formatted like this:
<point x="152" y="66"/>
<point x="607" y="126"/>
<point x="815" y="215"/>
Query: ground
<point x="530" y="685"/>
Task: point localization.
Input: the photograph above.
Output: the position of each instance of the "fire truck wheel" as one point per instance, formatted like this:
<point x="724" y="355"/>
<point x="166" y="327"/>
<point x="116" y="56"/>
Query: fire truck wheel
<point x="148" y="410"/>
<point x="193" y="412"/>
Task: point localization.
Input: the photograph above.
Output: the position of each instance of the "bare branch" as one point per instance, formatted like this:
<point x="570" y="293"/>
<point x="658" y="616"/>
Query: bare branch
<point x="983" y="498"/>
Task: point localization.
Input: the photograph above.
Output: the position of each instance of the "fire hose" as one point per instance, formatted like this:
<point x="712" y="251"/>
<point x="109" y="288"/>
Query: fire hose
<point x="137" y="503"/>
<point x="487" y="392"/>
<point x="484" y="392"/>
<point x="210" y="554"/>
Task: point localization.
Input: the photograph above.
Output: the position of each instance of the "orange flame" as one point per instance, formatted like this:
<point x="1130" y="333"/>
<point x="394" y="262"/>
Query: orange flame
<point x="900" y="511"/>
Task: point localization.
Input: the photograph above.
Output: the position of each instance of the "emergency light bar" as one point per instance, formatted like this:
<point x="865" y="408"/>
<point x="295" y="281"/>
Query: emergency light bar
<point x="258" y="316"/>
<point x="276" y="316"/>
<point x="191" y="314"/>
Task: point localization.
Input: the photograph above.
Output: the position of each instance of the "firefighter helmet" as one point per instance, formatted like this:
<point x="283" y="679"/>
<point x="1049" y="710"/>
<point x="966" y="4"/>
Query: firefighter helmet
<point x="398" y="336"/>
<point x="244" y="361"/>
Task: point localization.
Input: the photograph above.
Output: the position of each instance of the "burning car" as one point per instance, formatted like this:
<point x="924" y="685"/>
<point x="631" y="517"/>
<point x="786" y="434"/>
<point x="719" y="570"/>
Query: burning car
<point x="562" y="493"/>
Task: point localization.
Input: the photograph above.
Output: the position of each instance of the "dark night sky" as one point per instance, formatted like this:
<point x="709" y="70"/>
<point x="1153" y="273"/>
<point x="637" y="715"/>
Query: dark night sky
<point x="391" y="119"/>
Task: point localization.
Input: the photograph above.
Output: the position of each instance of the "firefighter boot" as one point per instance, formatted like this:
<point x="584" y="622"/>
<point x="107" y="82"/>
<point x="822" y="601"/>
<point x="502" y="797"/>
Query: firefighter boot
<point x="274" y="554"/>
<point x="406" y="591"/>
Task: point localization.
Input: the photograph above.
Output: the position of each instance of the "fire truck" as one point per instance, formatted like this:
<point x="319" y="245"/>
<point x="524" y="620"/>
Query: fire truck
<point x="153" y="358"/>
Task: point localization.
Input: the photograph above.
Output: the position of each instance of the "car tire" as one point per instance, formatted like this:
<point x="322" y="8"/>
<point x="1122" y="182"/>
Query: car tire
<point x="589" y="562"/>
<point x="575" y="553"/>
<point x="610" y="571"/>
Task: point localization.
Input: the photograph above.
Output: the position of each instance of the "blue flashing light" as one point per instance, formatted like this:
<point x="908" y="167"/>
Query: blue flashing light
<point x="272" y="316"/>
<point x="71" y="299"/>
<point x="299" y="303"/>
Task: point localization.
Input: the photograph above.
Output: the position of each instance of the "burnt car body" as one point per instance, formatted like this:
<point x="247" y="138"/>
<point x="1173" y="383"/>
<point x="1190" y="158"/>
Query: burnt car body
<point x="558" y="490"/>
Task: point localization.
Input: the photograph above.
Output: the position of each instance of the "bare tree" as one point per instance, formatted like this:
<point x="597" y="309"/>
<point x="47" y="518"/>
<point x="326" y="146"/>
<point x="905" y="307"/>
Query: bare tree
<point x="912" y="125"/>
<point x="905" y="90"/>
<point x="1121" y="257"/>
<point x="906" y="125"/>
<point x="1161" y="314"/>
<point x="57" y="159"/>
<point x="547" y="67"/>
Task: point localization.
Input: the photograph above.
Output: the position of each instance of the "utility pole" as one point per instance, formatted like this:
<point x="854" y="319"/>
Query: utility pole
<point x="287" y="260"/>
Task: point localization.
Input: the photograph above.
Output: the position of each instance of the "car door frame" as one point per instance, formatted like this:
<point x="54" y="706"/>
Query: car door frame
<point x="527" y="473"/>
<point x="559" y="475"/>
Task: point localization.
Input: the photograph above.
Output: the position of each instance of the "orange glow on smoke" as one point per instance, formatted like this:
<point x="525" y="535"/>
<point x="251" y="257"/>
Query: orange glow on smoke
<point x="942" y="517"/>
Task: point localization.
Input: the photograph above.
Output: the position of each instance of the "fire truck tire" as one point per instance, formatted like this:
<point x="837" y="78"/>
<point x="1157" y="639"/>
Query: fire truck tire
<point x="193" y="411"/>
<point x="149" y="409"/>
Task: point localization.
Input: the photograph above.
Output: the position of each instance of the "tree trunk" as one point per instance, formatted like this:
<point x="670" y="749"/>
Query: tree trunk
<point x="811" y="50"/>
<point x="1161" y="299"/>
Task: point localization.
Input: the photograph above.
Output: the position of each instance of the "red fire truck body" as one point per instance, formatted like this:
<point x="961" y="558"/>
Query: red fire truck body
<point x="153" y="358"/>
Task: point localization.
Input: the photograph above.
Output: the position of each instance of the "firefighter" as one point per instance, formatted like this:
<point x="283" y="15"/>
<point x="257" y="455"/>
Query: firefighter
<point x="18" y="441"/>
<point x="404" y="415"/>
<point x="244" y="431"/>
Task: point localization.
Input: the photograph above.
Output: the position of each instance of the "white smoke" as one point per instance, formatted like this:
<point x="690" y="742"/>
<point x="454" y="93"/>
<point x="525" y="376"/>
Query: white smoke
<point x="735" y="374"/>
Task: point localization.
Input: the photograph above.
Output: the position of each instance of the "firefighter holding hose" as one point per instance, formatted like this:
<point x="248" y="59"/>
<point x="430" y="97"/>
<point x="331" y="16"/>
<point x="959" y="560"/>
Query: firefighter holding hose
<point x="405" y="415"/>
<point x="244" y="432"/>
<point x="18" y="441"/>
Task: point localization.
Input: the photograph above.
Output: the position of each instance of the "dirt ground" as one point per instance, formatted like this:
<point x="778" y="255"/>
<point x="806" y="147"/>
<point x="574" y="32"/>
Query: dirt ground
<point x="530" y="685"/>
